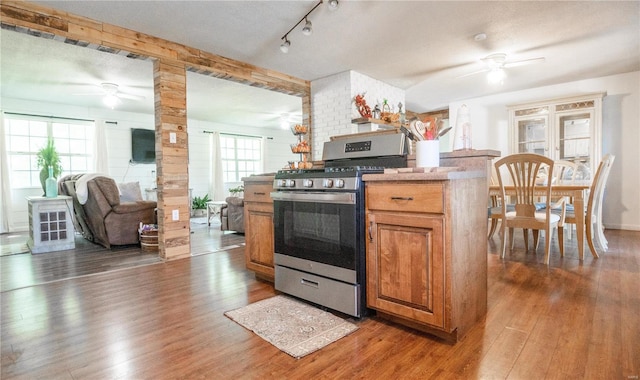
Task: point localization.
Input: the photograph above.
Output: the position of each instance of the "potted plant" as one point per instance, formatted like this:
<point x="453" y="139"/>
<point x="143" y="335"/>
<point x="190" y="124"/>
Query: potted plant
<point x="48" y="156"/>
<point x="237" y="191"/>
<point x="199" y="205"/>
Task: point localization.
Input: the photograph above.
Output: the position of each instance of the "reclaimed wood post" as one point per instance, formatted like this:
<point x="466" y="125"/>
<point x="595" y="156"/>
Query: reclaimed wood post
<point x="172" y="153"/>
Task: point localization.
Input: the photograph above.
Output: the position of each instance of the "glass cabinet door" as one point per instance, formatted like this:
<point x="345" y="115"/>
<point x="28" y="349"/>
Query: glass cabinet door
<point x="532" y="131"/>
<point x="575" y="138"/>
<point x="532" y="136"/>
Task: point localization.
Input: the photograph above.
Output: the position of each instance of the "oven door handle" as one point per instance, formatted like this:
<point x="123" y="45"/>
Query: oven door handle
<point x="310" y="196"/>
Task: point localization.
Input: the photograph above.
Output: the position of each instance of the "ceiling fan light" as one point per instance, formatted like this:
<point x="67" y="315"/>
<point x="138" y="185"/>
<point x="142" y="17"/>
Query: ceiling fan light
<point x="285" y="46"/>
<point x="306" y="30"/>
<point x="111" y="101"/>
<point x="333" y="5"/>
<point x="496" y="76"/>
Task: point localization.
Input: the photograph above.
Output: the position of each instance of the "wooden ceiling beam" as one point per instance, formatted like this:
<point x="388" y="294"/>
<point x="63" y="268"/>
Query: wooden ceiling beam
<point x="38" y="18"/>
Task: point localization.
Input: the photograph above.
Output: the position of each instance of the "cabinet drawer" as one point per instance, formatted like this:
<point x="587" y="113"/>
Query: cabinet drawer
<point x="258" y="192"/>
<point x="414" y="197"/>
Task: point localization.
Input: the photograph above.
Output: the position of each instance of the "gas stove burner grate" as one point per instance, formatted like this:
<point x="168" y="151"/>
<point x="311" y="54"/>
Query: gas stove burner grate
<point x="329" y="172"/>
<point x="356" y="169"/>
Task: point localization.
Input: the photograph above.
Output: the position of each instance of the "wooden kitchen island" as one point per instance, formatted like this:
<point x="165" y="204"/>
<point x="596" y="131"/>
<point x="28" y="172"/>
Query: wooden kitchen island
<point x="427" y="249"/>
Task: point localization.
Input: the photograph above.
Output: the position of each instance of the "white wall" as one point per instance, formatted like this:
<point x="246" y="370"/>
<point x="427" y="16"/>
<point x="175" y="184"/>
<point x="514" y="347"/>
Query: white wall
<point x="276" y="147"/>
<point x="118" y="140"/>
<point x="620" y="134"/>
<point x="333" y="106"/>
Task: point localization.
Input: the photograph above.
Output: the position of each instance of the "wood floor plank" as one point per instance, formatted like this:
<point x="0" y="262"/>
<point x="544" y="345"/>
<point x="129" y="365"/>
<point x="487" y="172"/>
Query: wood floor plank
<point x="502" y="356"/>
<point x="538" y="350"/>
<point x="571" y="319"/>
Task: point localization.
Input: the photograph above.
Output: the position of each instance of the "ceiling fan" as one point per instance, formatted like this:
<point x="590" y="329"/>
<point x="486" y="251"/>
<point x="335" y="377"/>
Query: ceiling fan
<point x="496" y="65"/>
<point x="112" y="95"/>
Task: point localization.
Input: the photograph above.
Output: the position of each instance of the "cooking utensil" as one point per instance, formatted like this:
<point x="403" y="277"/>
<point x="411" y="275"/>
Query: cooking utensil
<point x="418" y="128"/>
<point x="443" y="132"/>
<point x="408" y="133"/>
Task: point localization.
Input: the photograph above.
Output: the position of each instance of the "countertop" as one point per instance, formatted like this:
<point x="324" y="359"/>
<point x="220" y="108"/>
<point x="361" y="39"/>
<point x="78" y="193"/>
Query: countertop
<point x="427" y="174"/>
<point x="266" y="177"/>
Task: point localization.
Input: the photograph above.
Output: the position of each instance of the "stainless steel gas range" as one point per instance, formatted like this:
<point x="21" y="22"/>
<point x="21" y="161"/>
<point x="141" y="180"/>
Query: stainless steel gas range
<point x="319" y="232"/>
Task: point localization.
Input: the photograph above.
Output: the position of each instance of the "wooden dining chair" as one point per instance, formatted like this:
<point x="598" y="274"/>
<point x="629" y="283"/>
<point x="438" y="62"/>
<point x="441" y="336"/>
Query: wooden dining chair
<point x="495" y="211"/>
<point x="563" y="171"/>
<point x="593" y="210"/>
<point x="521" y="170"/>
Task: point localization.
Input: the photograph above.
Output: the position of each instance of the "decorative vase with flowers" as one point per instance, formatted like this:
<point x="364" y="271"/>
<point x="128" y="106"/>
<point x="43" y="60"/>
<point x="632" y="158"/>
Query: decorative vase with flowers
<point x="46" y="158"/>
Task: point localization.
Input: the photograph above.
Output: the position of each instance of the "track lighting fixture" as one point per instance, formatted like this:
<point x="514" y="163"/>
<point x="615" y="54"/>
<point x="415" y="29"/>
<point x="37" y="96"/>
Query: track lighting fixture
<point x="307" y="29"/>
<point x="285" y="45"/>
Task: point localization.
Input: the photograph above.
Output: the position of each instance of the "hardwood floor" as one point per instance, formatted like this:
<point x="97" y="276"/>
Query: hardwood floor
<point x="568" y="320"/>
<point x="87" y="258"/>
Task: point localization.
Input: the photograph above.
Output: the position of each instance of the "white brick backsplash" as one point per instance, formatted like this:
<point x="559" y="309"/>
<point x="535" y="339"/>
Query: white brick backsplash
<point x="333" y="107"/>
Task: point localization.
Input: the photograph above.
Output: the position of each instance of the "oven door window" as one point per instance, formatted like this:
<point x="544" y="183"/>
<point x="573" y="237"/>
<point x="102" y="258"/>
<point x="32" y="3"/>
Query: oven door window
<point x="320" y="232"/>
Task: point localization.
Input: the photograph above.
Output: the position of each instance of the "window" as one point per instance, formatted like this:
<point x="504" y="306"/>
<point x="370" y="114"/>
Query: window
<point x="26" y="135"/>
<point x="241" y="157"/>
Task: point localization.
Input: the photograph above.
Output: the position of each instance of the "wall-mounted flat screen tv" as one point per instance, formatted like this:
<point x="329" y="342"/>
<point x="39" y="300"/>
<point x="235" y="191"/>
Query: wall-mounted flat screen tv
<point x="143" y="146"/>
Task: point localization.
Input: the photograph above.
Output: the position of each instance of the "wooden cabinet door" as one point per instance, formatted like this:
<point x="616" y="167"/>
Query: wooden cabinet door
<point x="405" y="266"/>
<point x="259" y="238"/>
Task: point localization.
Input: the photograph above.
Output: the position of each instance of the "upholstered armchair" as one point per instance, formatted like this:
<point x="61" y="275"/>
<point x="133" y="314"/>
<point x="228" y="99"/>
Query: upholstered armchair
<point x="232" y="215"/>
<point x="101" y="214"/>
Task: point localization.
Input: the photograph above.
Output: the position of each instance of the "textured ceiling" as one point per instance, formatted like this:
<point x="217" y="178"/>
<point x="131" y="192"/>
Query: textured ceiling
<point x="420" y="46"/>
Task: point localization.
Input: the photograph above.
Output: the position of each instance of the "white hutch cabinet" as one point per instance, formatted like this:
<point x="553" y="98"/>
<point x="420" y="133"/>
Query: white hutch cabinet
<point x="562" y="129"/>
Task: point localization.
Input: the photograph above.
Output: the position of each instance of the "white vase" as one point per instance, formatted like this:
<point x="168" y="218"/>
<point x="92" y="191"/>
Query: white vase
<point x="462" y="133"/>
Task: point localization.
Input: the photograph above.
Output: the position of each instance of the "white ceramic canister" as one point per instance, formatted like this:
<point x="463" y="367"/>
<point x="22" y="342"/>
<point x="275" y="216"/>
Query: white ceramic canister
<point x="427" y="153"/>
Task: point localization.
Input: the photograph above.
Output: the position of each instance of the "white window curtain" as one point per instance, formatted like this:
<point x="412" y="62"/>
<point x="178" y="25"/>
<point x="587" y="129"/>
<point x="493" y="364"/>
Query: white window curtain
<point x="216" y="183"/>
<point x="263" y="153"/>
<point x="100" y="149"/>
<point x="5" y="183"/>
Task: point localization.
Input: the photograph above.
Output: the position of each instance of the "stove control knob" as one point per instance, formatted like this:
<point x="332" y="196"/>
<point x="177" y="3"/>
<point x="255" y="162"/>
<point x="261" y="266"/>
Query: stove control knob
<point x="307" y="183"/>
<point x="328" y="183"/>
<point x="339" y="183"/>
<point x="281" y="183"/>
<point x="290" y="183"/>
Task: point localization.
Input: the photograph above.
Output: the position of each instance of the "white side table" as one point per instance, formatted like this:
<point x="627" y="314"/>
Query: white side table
<point x="214" y="208"/>
<point x="50" y="224"/>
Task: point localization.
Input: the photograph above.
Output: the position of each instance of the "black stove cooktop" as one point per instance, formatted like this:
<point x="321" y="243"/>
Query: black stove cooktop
<point x="333" y="172"/>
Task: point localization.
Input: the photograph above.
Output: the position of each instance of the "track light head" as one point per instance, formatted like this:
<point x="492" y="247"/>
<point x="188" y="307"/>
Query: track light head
<point x="285" y="45"/>
<point x="306" y="30"/>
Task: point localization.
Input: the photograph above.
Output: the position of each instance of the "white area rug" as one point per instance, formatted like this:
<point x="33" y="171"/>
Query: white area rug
<point x="291" y="325"/>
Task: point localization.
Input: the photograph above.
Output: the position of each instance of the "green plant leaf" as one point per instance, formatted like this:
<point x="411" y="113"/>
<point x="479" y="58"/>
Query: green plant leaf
<point x="48" y="156"/>
<point x="199" y="203"/>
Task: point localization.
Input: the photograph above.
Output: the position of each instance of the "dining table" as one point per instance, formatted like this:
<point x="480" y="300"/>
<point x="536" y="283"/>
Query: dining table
<point x="577" y="191"/>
